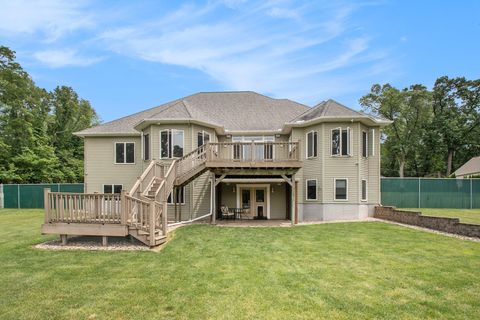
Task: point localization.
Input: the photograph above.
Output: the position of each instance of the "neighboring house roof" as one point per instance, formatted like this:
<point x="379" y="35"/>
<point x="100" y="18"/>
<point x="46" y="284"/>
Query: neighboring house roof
<point x="241" y="111"/>
<point x="471" y="167"/>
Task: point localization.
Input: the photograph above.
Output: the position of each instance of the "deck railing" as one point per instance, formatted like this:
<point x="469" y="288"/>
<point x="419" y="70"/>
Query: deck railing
<point x="83" y="207"/>
<point x="192" y="160"/>
<point x="253" y="151"/>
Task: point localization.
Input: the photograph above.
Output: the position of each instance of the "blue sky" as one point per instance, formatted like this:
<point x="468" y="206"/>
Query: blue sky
<point x="126" y="56"/>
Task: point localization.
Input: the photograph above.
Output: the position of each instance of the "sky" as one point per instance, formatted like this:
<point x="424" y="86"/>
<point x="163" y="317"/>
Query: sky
<point x="127" y="56"/>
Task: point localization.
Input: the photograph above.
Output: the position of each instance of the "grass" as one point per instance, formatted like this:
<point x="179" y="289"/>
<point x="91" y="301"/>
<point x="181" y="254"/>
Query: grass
<point x="465" y="215"/>
<point x="341" y="271"/>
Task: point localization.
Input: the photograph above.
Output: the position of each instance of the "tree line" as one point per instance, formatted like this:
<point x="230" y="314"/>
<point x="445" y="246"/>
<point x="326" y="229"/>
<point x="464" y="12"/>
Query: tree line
<point x="433" y="132"/>
<point x="36" y="128"/>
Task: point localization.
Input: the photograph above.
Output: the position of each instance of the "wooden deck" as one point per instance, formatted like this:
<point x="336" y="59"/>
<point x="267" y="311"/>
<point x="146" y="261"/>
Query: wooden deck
<point x="142" y="213"/>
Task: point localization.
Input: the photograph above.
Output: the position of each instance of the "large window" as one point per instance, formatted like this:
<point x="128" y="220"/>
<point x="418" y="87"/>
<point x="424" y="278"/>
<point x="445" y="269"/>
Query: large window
<point x="312" y="144"/>
<point x="243" y="151"/>
<point x="202" y="138"/>
<point x="364" y="144"/>
<point x="364" y="190"/>
<point x="341" y="141"/>
<point x="112" y="188"/>
<point x="124" y="152"/>
<point x="341" y="189"/>
<point x="179" y="196"/>
<point x="311" y="186"/>
<point x="146" y="147"/>
<point x="171" y="144"/>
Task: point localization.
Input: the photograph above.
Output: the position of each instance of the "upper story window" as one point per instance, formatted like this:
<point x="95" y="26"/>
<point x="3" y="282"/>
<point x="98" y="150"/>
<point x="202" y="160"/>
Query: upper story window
<point x="262" y="151"/>
<point x="312" y="144"/>
<point x="202" y="138"/>
<point x="364" y="144"/>
<point x="146" y="147"/>
<point x="171" y="143"/>
<point x="124" y="152"/>
<point x="341" y="139"/>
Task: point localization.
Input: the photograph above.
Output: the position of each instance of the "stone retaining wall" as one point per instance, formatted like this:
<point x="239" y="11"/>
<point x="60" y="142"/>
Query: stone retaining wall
<point x="450" y="225"/>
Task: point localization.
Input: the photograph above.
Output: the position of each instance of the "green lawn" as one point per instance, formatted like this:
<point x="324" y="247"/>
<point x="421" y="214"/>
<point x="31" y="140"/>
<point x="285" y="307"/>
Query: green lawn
<point x="465" y="215"/>
<point x="341" y="271"/>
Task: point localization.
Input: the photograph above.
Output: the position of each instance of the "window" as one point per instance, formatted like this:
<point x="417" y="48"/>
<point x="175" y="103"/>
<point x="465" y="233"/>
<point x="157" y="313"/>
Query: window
<point x="124" y="152"/>
<point x="171" y="144"/>
<point x="312" y="142"/>
<point x="364" y="190"/>
<point x="341" y="189"/>
<point x="262" y="151"/>
<point x="112" y="188"/>
<point x="179" y="197"/>
<point x="202" y="138"/>
<point x="146" y="147"/>
<point x="341" y="141"/>
<point x="311" y="189"/>
<point x="364" y="144"/>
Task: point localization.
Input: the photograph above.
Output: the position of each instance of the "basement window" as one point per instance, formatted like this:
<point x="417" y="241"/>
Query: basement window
<point x="341" y="187"/>
<point x="311" y="186"/>
<point x="112" y="188"/>
<point x="364" y="190"/>
<point x="179" y="196"/>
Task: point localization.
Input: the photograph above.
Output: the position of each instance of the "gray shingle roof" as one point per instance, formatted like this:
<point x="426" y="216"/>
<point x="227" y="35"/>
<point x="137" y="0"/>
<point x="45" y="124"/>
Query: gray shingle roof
<point x="472" y="166"/>
<point x="235" y="111"/>
<point x="329" y="108"/>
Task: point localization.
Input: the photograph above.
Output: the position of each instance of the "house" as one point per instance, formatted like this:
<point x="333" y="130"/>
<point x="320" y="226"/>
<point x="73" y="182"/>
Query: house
<point x="241" y="152"/>
<point x="470" y="169"/>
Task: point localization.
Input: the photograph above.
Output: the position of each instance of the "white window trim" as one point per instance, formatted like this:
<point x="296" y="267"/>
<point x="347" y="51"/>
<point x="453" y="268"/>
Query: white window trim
<point x="373" y="142"/>
<point x="306" y="144"/>
<point x="366" y="190"/>
<point x="113" y="186"/>
<point x="349" y="142"/>
<point x="180" y="203"/>
<point x="170" y="146"/>
<point x="203" y="132"/>
<point x="125" y="152"/>
<point x="306" y="189"/>
<point x="335" y="189"/>
<point x="366" y="144"/>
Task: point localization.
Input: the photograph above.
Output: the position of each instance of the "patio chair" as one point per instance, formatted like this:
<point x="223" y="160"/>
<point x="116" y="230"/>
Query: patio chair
<point x="227" y="213"/>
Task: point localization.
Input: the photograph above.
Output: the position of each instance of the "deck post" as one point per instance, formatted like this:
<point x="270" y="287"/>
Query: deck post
<point x="294" y="201"/>
<point x="104" y="241"/>
<point x="46" y="204"/>
<point x="63" y="238"/>
<point x="123" y="204"/>
<point x="214" y="200"/>
<point x="152" y="223"/>
<point x="164" y="218"/>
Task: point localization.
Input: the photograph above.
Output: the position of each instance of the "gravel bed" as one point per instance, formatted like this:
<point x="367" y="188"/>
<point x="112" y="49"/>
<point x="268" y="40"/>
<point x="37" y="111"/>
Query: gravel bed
<point x="95" y="244"/>
<point x="452" y="235"/>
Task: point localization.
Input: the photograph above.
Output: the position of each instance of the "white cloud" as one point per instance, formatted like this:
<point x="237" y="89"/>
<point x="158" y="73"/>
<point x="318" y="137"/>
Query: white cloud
<point x="301" y="57"/>
<point x="49" y="19"/>
<point x="64" y="58"/>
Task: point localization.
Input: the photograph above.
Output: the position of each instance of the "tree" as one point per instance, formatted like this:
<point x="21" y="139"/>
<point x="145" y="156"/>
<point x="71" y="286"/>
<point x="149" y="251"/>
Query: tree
<point x="456" y="109"/>
<point x="410" y="111"/>
<point x="36" y="128"/>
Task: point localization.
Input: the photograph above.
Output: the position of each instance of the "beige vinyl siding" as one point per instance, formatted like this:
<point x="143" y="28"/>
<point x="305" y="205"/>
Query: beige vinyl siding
<point x="341" y="167"/>
<point x="100" y="167"/>
<point x="312" y="167"/>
